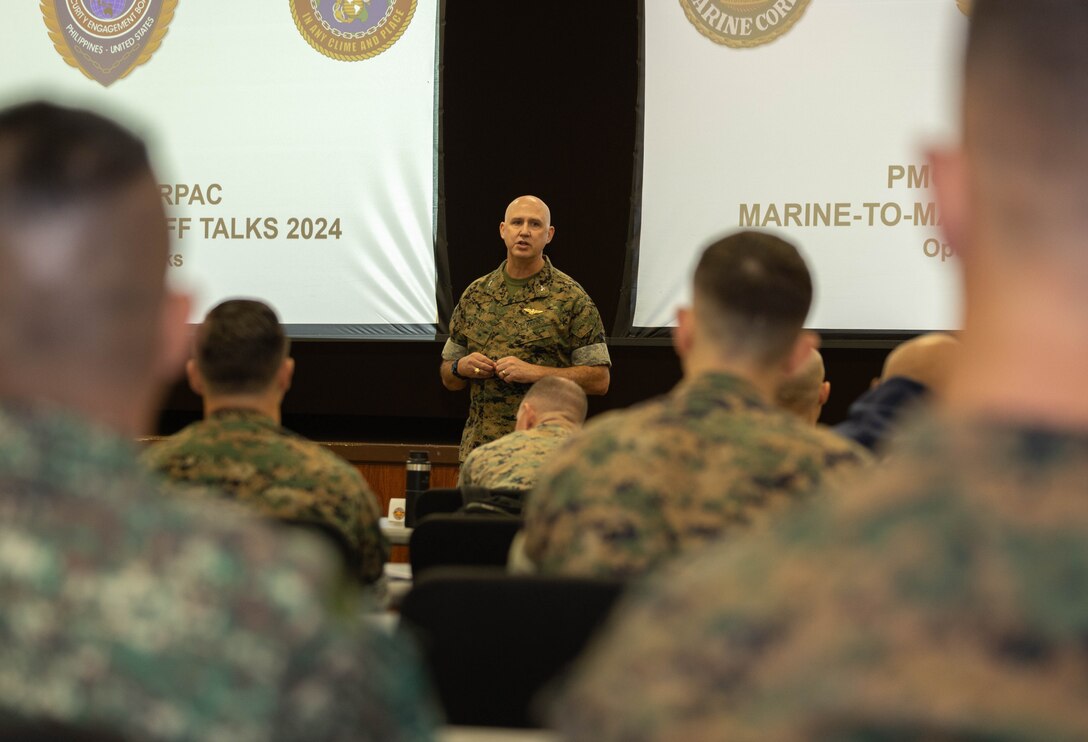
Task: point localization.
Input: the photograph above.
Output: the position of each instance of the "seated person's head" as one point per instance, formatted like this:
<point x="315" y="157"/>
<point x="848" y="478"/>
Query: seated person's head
<point x="752" y="292"/>
<point x="926" y="359"/>
<point x="85" y="321"/>
<point x="805" y="392"/>
<point x="552" y="399"/>
<point x="240" y="351"/>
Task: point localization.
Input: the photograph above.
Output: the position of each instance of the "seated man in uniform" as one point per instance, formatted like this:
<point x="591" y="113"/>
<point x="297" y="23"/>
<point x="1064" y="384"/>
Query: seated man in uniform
<point x="944" y="596"/>
<point x="806" y="390"/>
<point x="123" y="610"/>
<point x="553" y="409"/>
<point x="712" y="457"/>
<point x="241" y="368"/>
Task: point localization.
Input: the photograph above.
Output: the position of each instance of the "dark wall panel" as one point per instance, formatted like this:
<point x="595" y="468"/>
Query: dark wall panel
<point x="541" y="101"/>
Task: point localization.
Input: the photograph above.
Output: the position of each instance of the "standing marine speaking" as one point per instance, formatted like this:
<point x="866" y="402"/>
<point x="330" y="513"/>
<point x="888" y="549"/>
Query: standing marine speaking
<point x="523" y="321"/>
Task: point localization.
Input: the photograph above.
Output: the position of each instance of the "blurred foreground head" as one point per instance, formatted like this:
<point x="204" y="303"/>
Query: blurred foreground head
<point x="1025" y="118"/>
<point x="84" y="318"/>
<point x="1014" y="202"/>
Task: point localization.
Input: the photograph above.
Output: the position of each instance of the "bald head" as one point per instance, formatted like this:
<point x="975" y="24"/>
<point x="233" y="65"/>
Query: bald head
<point x="805" y="391"/>
<point x="552" y="398"/>
<point x="1025" y="116"/>
<point x="926" y="359"/>
<point x="531" y="202"/>
<point x="83" y="247"/>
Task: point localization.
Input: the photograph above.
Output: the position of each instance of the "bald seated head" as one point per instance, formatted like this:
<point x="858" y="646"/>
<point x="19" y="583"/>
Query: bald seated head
<point x="805" y="392"/>
<point x="84" y="319"/>
<point x="926" y="359"/>
<point x="552" y="400"/>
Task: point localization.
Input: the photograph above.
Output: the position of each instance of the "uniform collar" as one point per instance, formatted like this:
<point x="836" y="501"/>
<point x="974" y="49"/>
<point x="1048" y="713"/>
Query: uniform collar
<point x="554" y="429"/>
<point x="717" y="389"/>
<point x="537" y="287"/>
<point x="243" y="414"/>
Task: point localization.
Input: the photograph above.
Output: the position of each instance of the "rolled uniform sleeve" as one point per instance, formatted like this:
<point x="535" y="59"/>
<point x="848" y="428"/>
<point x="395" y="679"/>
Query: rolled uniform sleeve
<point x="587" y="336"/>
<point x="457" y="344"/>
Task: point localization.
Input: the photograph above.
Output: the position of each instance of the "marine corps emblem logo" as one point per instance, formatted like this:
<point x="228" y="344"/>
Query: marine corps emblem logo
<point x="743" y="23"/>
<point x="107" y="39"/>
<point x="965" y="6"/>
<point x="352" y="30"/>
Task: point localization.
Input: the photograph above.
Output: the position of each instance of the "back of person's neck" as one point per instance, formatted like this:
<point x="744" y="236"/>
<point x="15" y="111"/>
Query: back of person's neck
<point x="262" y="404"/>
<point x="1023" y="360"/>
<point x="701" y="364"/>
<point x="125" y="409"/>
<point x="517" y="268"/>
<point x="555" y="420"/>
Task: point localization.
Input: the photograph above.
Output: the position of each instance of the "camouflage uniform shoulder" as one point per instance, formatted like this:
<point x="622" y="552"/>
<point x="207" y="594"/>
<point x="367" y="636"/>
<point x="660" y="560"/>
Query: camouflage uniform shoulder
<point x="480" y="285"/>
<point x="140" y="609"/>
<point x="639" y="486"/>
<point x="564" y="282"/>
<point x="513" y="461"/>
<point x="928" y="601"/>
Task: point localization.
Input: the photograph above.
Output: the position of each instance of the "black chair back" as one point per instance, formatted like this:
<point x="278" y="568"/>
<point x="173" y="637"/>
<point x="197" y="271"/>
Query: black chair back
<point x="467" y="540"/>
<point x="436" y="500"/>
<point x="492" y="641"/>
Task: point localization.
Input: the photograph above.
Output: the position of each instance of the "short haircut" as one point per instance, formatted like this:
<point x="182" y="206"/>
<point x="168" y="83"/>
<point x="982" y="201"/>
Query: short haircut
<point x="52" y="157"/>
<point x="799" y="393"/>
<point x="556" y="394"/>
<point x="752" y="294"/>
<point x="1026" y="84"/>
<point x="239" y="347"/>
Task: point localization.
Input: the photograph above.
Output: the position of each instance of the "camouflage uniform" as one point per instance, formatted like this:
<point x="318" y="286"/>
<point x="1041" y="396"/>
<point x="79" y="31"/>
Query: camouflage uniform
<point x="642" y="484"/>
<point x="946" y="598"/>
<point x="262" y="465"/>
<point x="128" y="611"/>
<point x="513" y="461"/>
<point x="549" y="322"/>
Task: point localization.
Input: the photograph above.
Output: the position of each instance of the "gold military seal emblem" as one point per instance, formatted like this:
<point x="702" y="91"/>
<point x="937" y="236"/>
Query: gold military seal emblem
<point x="743" y="23"/>
<point x="352" y="30"/>
<point x="965" y="6"/>
<point x="107" y="39"/>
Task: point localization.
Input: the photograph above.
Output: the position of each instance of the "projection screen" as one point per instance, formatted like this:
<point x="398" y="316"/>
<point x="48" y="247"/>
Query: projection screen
<point x="294" y="140"/>
<point x="809" y="119"/>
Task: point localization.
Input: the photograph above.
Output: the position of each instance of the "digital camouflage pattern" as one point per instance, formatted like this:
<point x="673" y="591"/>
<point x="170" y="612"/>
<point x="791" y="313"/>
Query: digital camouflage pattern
<point x="641" y="485"/>
<point x="136" y="613"/>
<point x="944" y="598"/>
<point x="514" y="461"/>
<point x="551" y="321"/>
<point x="247" y="457"/>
